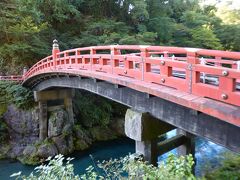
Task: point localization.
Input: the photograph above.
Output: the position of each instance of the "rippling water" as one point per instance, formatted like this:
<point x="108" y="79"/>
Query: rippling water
<point x="207" y="154"/>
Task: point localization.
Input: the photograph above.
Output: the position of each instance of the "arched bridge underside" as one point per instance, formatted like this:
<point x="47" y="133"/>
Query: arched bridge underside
<point x="193" y="89"/>
<point x="128" y="93"/>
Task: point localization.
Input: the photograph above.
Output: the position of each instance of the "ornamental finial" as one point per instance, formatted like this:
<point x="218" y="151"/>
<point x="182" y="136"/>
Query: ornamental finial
<point x="55" y="44"/>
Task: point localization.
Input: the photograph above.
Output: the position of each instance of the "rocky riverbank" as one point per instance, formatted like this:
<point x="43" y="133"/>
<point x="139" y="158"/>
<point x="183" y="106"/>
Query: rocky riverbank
<point x="19" y="130"/>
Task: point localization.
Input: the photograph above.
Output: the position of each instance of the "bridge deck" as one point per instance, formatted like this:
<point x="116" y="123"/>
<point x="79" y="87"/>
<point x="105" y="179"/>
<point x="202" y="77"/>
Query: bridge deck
<point x="223" y="111"/>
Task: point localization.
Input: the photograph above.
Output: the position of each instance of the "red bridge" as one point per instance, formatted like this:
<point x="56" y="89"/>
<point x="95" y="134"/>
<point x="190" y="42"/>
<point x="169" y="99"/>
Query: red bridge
<point x="203" y="81"/>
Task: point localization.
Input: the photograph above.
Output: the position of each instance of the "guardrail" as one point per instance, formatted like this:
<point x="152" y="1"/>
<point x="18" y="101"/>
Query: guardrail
<point x="11" y="78"/>
<point x="207" y="73"/>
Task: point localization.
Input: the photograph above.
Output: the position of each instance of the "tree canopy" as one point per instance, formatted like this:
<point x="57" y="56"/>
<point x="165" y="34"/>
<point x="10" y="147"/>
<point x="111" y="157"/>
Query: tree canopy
<point x="28" y="27"/>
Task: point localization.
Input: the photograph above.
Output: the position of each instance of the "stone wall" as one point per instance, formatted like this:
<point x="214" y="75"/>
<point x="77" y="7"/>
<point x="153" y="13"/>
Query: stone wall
<point x="22" y="127"/>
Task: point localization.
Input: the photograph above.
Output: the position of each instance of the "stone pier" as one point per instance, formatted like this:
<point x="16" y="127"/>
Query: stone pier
<point x="59" y="98"/>
<point x="146" y="130"/>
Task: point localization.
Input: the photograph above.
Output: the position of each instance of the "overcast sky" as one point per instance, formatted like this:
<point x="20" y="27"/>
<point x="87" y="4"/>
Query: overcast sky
<point x="233" y="4"/>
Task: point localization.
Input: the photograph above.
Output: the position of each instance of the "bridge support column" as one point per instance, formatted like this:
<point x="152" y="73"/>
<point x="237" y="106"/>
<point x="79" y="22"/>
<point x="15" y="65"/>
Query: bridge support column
<point x="188" y="147"/>
<point x="145" y="129"/>
<point x="43" y="120"/>
<point x="69" y="108"/>
<point x="148" y="149"/>
<point x="43" y="97"/>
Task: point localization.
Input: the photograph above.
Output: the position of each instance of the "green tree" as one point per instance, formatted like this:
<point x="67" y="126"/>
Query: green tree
<point x="22" y="26"/>
<point x="229" y="36"/>
<point x="205" y="37"/>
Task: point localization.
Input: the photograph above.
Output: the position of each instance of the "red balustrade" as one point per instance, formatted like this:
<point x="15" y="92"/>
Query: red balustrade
<point x="206" y="73"/>
<point x="11" y="78"/>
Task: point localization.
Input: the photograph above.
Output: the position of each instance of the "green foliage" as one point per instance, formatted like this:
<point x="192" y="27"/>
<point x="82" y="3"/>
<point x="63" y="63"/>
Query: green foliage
<point x="230" y="168"/>
<point x="124" y="168"/>
<point x="29" y="26"/>
<point x="22" y="24"/>
<point x="92" y="109"/>
<point x="173" y="168"/>
<point x="13" y="93"/>
<point x="55" y="169"/>
<point x="205" y="37"/>
<point x="228" y="35"/>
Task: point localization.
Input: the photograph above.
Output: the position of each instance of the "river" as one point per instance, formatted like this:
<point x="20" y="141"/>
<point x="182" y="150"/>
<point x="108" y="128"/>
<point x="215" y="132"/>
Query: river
<point x="207" y="153"/>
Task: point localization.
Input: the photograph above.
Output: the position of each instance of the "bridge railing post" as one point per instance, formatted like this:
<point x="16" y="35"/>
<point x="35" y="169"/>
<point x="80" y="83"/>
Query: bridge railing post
<point x="55" y="51"/>
<point x="92" y="52"/>
<point x="144" y="54"/>
<point x="114" y="51"/>
<point x="191" y="76"/>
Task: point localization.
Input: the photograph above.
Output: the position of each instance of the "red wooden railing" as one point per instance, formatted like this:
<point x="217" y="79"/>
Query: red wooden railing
<point x="206" y="73"/>
<point x="11" y="78"/>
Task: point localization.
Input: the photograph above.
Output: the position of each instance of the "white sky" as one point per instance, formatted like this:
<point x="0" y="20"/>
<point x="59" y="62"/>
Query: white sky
<point x="234" y="4"/>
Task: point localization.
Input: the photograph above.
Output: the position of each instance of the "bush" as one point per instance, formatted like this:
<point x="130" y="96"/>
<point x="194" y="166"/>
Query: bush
<point x="124" y="168"/>
<point x="230" y="168"/>
<point x="13" y="93"/>
<point x="54" y="170"/>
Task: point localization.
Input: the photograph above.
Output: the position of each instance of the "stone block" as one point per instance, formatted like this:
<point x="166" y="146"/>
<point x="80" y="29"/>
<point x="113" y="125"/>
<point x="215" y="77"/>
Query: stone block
<point x="142" y="126"/>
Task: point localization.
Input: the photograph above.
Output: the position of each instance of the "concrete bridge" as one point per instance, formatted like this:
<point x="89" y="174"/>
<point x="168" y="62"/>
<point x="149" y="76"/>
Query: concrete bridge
<point x="196" y="91"/>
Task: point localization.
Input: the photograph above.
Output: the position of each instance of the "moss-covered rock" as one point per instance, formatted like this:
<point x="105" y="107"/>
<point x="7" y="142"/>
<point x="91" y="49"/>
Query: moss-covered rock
<point x="64" y="144"/>
<point x="33" y="159"/>
<point x="4" y="136"/>
<point x="57" y="121"/>
<point x="100" y="133"/>
<point x="80" y="144"/>
<point x="3" y="108"/>
<point x="82" y="138"/>
<point x="29" y="156"/>
<point x="4" y="149"/>
<point x="117" y="125"/>
<point x="37" y="153"/>
<point x="46" y="149"/>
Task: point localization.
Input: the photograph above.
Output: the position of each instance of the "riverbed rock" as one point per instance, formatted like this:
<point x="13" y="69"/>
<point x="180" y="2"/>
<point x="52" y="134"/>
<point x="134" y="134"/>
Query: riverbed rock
<point x="64" y="144"/>
<point x="117" y="125"/>
<point x="4" y="149"/>
<point x="83" y="134"/>
<point x="100" y="133"/>
<point x="29" y="150"/>
<point x="29" y="156"/>
<point x="80" y="144"/>
<point x="82" y="138"/>
<point x="47" y="149"/>
<point x="24" y="122"/>
<point x="57" y="120"/>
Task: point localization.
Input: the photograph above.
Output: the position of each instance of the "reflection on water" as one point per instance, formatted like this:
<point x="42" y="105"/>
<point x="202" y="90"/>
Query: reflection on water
<point x="207" y="154"/>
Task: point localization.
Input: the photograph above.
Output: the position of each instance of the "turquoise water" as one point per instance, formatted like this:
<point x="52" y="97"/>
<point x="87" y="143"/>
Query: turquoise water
<point x="207" y="154"/>
<point x="100" y="151"/>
